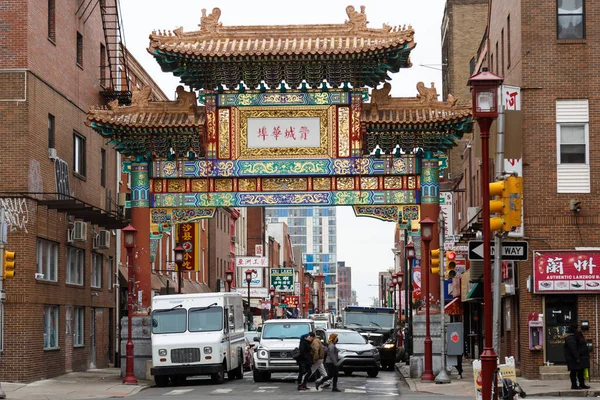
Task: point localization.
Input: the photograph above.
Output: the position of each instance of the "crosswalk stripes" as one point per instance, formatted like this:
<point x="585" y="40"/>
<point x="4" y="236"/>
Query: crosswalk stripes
<point x="177" y="392"/>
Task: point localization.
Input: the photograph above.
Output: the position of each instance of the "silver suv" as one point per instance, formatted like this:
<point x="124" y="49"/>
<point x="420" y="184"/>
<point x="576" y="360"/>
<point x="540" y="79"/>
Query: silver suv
<point x="275" y="344"/>
<point x="355" y="354"/>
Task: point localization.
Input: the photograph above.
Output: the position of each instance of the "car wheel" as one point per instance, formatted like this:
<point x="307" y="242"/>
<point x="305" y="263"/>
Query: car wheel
<point x="161" y="381"/>
<point x="267" y="376"/>
<point x="373" y="372"/>
<point x="257" y="375"/>
<point x="348" y="372"/>
<point x="179" y="380"/>
<point x="218" y="377"/>
<point x="237" y="373"/>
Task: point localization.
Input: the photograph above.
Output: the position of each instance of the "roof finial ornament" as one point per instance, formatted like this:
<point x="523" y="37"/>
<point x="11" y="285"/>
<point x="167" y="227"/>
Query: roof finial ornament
<point x="185" y="98"/>
<point x="178" y="32"/>
<point x="141" y="97"/>
<point x="427" y="95"/>
<point x="210" y="22"/>
<point x="381" y="96"/>
<point x="358" y="20"/>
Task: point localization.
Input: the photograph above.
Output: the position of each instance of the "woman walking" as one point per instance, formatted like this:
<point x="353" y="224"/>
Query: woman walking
<point x="577" y="356"/>
<point x="331" y="360"/>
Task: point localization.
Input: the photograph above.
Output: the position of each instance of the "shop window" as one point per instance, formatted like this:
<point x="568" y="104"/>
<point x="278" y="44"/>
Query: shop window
<point x="50" y="327"/>
<point x="78" y="328"/>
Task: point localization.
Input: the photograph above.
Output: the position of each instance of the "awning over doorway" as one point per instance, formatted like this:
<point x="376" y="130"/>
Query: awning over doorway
<point x="454" y="307"/>
<point x="476" y="292"/>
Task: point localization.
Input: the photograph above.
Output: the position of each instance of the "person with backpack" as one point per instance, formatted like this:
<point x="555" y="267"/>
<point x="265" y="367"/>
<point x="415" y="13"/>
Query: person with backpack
<point x="318" y="354"/>
<point x="304" y="359"/>
<point x="331" y="360"/>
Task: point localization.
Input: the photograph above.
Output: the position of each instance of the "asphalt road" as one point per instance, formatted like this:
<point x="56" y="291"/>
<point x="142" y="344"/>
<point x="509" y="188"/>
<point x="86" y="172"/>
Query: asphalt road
<point x="357" y="386"/>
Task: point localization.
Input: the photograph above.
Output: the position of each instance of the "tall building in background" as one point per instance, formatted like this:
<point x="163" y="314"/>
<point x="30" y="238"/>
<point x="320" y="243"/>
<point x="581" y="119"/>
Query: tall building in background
<point x="344" y="285"/>
<point x="314" y="230"/>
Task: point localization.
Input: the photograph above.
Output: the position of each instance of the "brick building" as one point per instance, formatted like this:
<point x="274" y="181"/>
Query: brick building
<point x="344" y="285"/>
<point x="545" y="52"/>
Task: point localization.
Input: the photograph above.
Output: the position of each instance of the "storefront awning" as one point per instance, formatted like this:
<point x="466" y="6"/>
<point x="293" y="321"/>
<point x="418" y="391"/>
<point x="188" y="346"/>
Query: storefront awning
<point x="454" y="307"/>
<point x="476" y="292"/>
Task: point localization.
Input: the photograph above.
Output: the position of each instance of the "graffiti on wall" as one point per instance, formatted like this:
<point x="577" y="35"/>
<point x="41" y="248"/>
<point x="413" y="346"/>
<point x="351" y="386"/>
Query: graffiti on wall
<point x="35" y="183"/>
<point x="16" y="214"/>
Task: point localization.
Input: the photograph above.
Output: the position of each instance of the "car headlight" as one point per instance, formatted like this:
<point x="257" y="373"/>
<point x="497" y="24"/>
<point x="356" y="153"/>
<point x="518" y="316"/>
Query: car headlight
<point x="375" y="351"/>
<point x="263" y="354"/>
<point x="208" y="350"/>
<point x="388" y="346"/>
<point x="162" y="352"/>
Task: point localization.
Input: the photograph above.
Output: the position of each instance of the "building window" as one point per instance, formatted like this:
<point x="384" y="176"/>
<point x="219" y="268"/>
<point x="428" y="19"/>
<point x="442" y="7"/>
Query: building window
<point x="78" y="154"/>
<point x="502" y="45"/>
<point x="508" y="41"/>
<point x="51" y="131"/>
<point x="572" y="138"/>
<point x="78" y="329"/>
<point x="571" y="21"/>
<point x="75" y="263"/>
<point x="79" y="49"/>
<point x="96" y="270"/>
<point x="103" y="68"/>
<point x="497" y="59"/>
<point x="51" y="20"/>
<point x="492" y="63"/>
<point x="50" y="327"/>
<point x="111" y="271"/>
<point x="47" y="260"/>
<point x="102" y="167"/>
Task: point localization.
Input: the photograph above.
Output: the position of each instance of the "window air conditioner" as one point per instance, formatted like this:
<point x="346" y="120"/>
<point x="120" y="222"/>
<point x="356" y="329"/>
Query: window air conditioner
<point x="52" y="153"/>
<point x="96" y="241"/>
<point x="79" y="231"/>
<point x="104" y="240"/>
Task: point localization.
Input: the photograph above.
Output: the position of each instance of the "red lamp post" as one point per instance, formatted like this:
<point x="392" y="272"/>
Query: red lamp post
<point x="272" y="294"/>
<point x="392" y="289"/>
<point x="229" y="278"/>
<point x="249" y="274"/>
<point x="410" y="253"/>
<point x="426" y="236"/>
<point x="179" y="262"/>
<point x="129" y="233"/>
<point x="484" y="87"/>
<point x="399" y="280"/>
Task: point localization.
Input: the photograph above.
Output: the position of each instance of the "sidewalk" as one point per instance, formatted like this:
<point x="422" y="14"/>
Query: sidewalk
<point x="466" y="386"/>
<point x="92" y="384"/>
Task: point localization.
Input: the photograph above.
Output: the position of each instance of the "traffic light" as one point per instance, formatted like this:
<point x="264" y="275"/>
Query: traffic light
<point x="434" y="261"/>
<point x="450" y="264"/>
<point x="509" y="205"/>
<point x="8" y="265"/>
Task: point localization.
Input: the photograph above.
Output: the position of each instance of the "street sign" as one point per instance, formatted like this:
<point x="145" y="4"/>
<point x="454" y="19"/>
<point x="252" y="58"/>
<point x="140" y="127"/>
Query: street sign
<point x="511" y="251"/>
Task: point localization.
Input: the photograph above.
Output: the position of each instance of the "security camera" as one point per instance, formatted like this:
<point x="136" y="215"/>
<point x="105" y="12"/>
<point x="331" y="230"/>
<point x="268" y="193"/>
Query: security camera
<point x="575" y="205"/>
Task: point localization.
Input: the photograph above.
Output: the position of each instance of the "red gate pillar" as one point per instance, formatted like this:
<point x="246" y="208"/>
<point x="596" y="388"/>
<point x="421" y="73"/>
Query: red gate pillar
<point x="140" y="220"/>
<point x="430" y="207"/>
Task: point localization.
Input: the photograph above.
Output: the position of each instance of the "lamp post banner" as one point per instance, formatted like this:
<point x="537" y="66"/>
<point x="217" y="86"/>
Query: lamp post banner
<point x="566" y="271"/>
<point x="189" y="238"/>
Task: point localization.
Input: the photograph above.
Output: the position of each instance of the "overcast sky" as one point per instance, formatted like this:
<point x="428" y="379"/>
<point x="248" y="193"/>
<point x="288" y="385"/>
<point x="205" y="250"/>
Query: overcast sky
<point x="364" y="243"/>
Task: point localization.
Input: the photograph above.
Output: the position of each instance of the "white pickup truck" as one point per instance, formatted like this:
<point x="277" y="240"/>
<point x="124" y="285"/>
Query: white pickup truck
<point x="273" y="352"/>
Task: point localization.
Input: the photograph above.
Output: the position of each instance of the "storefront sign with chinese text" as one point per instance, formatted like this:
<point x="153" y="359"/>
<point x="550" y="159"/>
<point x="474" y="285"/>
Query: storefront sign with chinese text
<point x="188" y="239"/>
<point x="251" y="262"/>
<point x="282" y="279"/>
<point x="291" y="301"/>
<point x="566" y="271"/>
<point x="254" y="292"/>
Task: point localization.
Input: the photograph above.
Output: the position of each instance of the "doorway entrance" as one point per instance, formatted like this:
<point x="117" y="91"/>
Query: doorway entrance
<point x="560" y="312"/>
<point x="92" y="338"/>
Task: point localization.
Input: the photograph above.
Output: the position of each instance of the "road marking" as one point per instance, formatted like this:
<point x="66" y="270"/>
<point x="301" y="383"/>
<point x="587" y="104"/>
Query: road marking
<point x="177" y="392"/>
<point x="222" y="391"/>
<point x="268" y="387"/>
<point x="354" y="391"/>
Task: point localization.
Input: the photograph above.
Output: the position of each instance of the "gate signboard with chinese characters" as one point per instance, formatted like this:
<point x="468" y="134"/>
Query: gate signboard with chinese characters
<point x="282" y="279"/>
<point x="189" y="239"/>
<point x="566" y="271"/>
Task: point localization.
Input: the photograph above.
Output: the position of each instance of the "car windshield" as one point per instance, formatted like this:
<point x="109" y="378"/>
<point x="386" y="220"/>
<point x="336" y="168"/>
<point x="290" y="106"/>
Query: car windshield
<point x="365" y="319"/>
<point x="350" y="338"/>
<point x="321" y="324"/>
<point x="205" y="319"/>
<point x="285" y="331"/>
<point x="169" y="320"/>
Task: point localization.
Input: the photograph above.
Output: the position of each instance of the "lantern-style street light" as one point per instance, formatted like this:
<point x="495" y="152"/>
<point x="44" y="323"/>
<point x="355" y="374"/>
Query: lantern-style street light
<point x="249" y="275"/>
<point x="484" y="88"/>
<point x="272" y="295"/>
<point x="392" y="289"/>
<point x="229" y="278"/>
<point x="129" y="233"/>
<point x="179" y="262"/>
<point x="426" y="236"/>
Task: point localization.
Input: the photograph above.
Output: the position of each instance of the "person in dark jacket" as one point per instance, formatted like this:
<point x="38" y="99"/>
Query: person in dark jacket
<point x="577" y="356"/>
<point x="304" y="360"/>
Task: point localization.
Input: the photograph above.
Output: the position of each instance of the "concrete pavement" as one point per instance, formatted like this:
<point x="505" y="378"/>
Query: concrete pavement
<point x="466" y="386"/>
<point x="91" y="384"/>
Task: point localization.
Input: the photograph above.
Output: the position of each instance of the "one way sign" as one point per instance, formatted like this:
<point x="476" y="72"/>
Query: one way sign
<point x="511" y="251"/>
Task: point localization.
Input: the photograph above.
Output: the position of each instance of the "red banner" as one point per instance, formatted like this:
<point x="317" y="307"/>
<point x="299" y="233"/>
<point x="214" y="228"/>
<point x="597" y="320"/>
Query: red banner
<point x="188" y="240"/>
<point x="416" y="271"/>
<point x="306" y="295"/>
<point x="291" y="301"/>
<point x="566" y="271"/>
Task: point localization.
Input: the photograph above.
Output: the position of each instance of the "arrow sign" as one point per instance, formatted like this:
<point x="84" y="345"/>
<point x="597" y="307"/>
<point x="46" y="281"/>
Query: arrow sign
<point x="511" y="251"/>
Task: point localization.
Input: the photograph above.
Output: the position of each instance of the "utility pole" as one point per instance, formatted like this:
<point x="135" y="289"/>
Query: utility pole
<point x="442" y="376"/>
<point x="2" y="294"/>
<point x="498" y="173"/>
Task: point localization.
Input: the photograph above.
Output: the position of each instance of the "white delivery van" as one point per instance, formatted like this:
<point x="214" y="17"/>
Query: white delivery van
<point x="197" y="334"/>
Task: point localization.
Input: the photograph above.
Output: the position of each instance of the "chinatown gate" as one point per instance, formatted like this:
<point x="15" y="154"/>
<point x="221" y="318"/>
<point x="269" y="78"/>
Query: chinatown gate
<point x="283" y="117"/>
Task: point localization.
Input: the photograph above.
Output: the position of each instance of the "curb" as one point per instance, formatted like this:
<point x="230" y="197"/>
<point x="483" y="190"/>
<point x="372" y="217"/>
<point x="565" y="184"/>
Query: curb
<point x="568" y="393"/>
<point x="407" y="380"/>
<point x="138" y="389"/>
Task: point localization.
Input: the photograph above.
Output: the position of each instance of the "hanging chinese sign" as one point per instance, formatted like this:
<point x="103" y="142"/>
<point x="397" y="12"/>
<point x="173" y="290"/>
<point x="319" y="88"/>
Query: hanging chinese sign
<point x="566" y="271"/>
<point x="188" y="239"/>
<point x="282" y="279"/>
<point x="291" y="301"/>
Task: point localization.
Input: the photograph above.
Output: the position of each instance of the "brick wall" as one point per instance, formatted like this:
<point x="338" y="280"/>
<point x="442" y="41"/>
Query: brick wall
<point x="218" y="246"/>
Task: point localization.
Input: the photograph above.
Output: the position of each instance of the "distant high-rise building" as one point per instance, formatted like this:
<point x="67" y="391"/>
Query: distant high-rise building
<point x="344" y="284"/>
<point x="314" y="230"/>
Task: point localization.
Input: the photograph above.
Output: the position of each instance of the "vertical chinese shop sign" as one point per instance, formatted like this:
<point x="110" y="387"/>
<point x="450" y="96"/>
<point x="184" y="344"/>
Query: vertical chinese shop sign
<point x="188" y="240"/>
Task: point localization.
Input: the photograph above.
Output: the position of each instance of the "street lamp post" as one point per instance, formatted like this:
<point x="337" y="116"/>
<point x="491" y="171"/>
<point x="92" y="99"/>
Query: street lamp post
<point x="392" y="296"/>
<point x="179" y="262"/>
<point x="399" y="279"/>
<point x="272" y="294"/>
<point x="410" y="254"/>
<point x="426" y="236"/>
<point x="129" y="233"/>
<point x="249" y="273"/>
<point x="229" y="278"/>
<point x="394" y="284"/>
<point x="484" y="87"/>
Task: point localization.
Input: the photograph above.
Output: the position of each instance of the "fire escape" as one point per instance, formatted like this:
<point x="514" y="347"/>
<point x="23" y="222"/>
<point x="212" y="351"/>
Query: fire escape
<point x="114" y="74"/>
